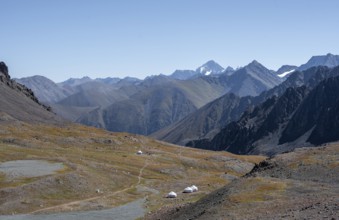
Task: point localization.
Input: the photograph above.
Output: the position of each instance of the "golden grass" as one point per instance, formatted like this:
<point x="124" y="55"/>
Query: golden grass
<point x="258" y="190"/>
<point x="108" y="161"/>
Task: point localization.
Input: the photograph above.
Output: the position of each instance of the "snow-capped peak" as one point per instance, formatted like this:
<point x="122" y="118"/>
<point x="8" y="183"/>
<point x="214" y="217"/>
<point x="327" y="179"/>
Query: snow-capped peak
<point x="211" y="67"/>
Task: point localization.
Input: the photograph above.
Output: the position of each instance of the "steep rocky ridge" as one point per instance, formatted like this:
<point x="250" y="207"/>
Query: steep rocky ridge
<point x="276" y="124"/>
<point x="252" y="80"/>
<point x="202" y="129"/>
<point x="206" y="121"/>
<point x="20" y="103"/>
<point x="87" y="98"/>
<point x="319" y="112"/>
<point x="161" y="101"/>
<point x="267" y="118"/>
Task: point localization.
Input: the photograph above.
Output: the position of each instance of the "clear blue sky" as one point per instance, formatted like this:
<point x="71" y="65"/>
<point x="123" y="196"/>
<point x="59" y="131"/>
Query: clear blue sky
<point x="60" y="39"/>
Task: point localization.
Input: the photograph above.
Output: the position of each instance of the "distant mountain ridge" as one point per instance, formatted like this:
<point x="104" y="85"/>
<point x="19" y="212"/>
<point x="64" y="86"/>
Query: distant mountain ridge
<point x="209" y="68"/>
<point x="97" y="101"/>
<point x="328" y="60"/>
<point x="307" y="114"/>
<point x="252" y="80"/>
<point x="51" y="91"/>
<point x="163" y="100"/>
<point x="207" y="121"/>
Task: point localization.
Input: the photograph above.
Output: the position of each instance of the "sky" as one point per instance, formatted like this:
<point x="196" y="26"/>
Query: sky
<point x="60" y="39"/>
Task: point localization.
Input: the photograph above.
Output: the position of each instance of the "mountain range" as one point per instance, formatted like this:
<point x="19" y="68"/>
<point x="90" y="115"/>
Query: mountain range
<point x="209" y="119"/>
<point x="154" y="102"/>
<point x="185" y="107"/>
<point x="301" y="115"/>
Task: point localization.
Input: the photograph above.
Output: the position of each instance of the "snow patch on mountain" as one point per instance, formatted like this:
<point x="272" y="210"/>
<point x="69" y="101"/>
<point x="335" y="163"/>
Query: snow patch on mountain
<point x="282" y="75"/>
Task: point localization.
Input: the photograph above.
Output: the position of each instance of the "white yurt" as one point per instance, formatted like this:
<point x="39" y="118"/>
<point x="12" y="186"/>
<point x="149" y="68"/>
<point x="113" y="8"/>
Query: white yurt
<point x="171" y="195"/>
<point x="188" y="190"/>
<point x="139" y="152"/>
<point x="195" y="189"/>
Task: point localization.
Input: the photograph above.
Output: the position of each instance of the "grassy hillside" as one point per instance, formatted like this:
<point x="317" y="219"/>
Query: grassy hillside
<point x="302" y="184"/>
<point x="94" y="160"/>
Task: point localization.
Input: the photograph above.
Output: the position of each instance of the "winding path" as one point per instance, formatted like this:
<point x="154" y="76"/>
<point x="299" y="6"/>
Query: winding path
<point x="67" y="205"/>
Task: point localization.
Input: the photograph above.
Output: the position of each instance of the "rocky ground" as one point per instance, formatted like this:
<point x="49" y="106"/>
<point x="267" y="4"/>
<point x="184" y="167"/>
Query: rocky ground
<point x="303" y="184"/>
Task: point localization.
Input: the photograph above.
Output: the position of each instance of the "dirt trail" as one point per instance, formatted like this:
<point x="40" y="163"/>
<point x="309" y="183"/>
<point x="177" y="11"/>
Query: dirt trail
<point x="69" y="204"/>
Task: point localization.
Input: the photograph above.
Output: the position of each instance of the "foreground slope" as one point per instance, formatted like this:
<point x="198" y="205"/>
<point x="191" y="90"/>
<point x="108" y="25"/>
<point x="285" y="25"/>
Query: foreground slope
<point x="298" y="185"/>
<point x="102" y="170"/>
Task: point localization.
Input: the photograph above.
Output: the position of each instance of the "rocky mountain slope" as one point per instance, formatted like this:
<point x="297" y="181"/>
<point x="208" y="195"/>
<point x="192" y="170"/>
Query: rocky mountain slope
<point x="85" y="98"/>
<point x="328" y="60"/>
<point x="97" y="102"/>
<point x="252" y="80"/>
<point x="155" y="106"/>
<point x="207" y="121"/>
<point x="19" y="102"/>
<point x="45" y="89"/>
<point x="162" y="101"/>
<point x="298" y="185"/>
<point x="297" y="117"/>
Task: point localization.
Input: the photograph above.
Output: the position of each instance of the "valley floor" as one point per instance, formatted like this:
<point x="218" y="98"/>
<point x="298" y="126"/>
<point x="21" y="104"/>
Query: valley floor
<point x="97" y="170"/>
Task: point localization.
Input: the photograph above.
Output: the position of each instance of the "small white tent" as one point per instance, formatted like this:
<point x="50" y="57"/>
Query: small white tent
<point x="195" y="189"/>
<point x="171" y="195"/>
<point x="188" y="190"/>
